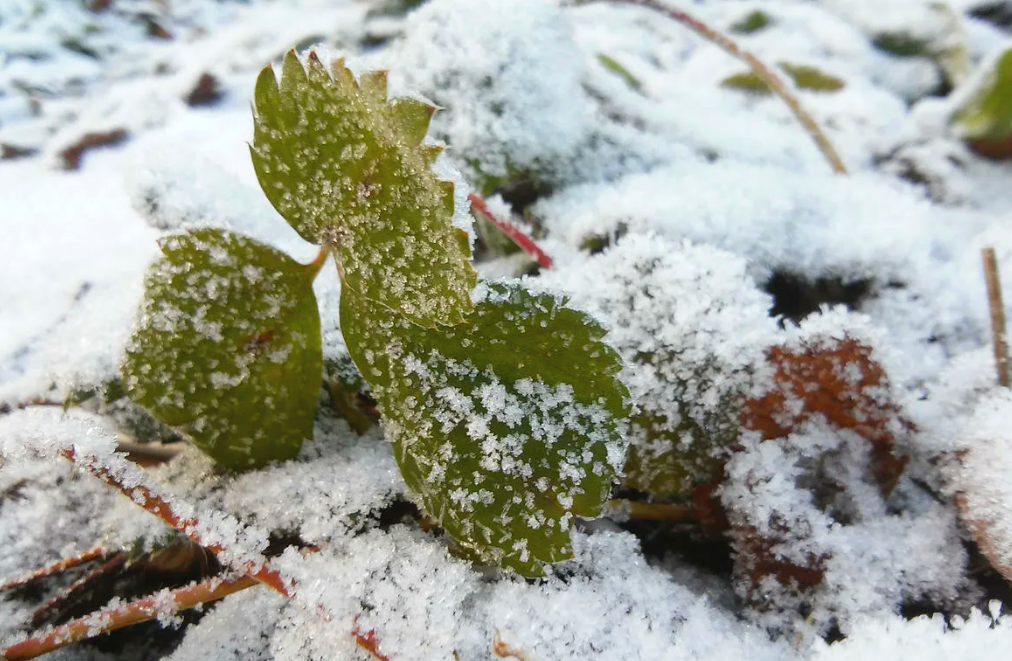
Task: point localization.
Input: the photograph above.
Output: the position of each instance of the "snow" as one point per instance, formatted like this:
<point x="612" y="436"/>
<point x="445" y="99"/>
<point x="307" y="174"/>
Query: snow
<point x="691" y="196"/>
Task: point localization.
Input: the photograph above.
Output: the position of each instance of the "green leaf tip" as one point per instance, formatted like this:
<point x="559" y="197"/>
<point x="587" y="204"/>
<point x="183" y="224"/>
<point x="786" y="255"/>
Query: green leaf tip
<point x="611" y="64"/>
<point x="227" y="347"/>
<point x="505" y="427"/>
<point x="346" y="169"/>
<point x="987" y="112"/>
<point x="804" y="76"/>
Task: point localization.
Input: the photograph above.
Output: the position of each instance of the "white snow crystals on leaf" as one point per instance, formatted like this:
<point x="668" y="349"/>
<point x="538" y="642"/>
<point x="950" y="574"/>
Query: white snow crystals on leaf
<point x="347" y="170"/>
<point x="232" y="361"/>
<point x="803" y="503"/>
<point x="505" y="439"/>
<point x="693" y="330"/>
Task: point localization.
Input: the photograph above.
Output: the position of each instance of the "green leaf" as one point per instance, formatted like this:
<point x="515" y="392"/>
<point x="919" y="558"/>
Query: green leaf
<point x="347" y="169"/>
<point x="754" y="21"/>
<point x="987" y="114"/>
<point x="227" y="347"/>
<point x="669" y="463"/>
<point x="902" y="44"/>
<point x="505" y="427"/>
<point x="612" y="65"/>
<point x="804" y="76"/>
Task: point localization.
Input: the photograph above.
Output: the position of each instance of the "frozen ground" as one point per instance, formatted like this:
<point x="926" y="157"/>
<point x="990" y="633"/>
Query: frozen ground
<point x="704" y="197"/>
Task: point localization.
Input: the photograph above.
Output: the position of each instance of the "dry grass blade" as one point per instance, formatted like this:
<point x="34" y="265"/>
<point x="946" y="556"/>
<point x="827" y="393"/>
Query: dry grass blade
<point x="774" y="81"/>
<point x="998" y="327"/>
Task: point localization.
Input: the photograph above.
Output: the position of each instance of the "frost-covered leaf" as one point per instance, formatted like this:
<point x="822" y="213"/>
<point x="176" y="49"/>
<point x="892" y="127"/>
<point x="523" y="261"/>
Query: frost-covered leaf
<point x="347" y="169"/>
<point x="839" y="380"/>
<point x="227" y="347"/>
<point x="692" y="328"/>
<point x="505" y="426"/>
<point x="987" y="114"/>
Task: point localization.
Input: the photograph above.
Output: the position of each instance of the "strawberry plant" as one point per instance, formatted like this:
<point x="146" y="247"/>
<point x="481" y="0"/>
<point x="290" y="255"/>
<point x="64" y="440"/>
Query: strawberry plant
<point x="503" y="404"/>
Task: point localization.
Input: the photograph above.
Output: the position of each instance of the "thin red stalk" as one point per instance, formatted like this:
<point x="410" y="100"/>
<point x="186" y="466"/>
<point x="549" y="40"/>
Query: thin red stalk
<point x="154" y="504"/>
<point x="141" y="610"/>
<point x="56" y="568"/>
<point x="112" y="563"/>
<point x="761" y="70"/>
<point x="523" y="241"/>
<point x="132" y="613"/>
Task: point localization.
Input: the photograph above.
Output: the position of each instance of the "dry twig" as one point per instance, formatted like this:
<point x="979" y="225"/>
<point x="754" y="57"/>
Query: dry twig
<point x="998" y="329"/>
<point x="761" y="70"/>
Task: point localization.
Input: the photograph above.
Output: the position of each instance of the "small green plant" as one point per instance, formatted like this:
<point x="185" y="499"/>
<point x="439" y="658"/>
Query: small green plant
<point x="502" y="404"/>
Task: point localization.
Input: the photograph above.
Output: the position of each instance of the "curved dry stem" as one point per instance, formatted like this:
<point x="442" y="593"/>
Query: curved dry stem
<point x="761" y="70"/>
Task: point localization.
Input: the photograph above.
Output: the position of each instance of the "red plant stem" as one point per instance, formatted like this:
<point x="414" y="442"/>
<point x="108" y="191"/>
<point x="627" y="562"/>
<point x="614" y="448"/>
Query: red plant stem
<point x="154" y="504"/>
<point x="135" y="612"/>
<point x="111" y="564"/>
<point x="761" y="70"/>
<point x="141" y="610"/>
<point x="56" y="568"/>
<point x="524" y="242"/>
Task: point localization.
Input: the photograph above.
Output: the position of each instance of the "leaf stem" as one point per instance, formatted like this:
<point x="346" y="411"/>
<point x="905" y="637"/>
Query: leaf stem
<point x="643" y="511"/>
<point x="342" y="400"/>
<point x="998" y="327"/>
<point x="155" y="504"/>
<point x="523" y="241"/>
<point x="141" y="610"/>
<point x="761" y="70"/>
<point x="319" y="260"/>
